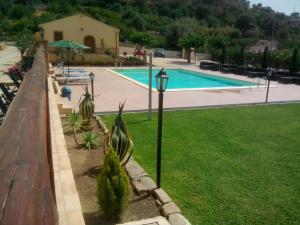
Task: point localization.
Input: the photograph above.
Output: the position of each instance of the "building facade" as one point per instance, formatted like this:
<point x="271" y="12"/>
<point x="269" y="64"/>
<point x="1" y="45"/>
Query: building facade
<point x="80" y="28"/>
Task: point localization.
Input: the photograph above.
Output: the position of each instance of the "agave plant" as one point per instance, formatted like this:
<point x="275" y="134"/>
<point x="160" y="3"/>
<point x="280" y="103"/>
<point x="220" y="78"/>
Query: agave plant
<point x="74" y="122"/>
<point x="89" y="140"/>
<point x="119" y="139"/>
<point x="86" y="107"/>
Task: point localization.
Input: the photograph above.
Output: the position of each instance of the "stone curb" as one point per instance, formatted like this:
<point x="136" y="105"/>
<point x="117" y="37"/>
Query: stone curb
<point x="101" y="124"/>
<point x="142" y="183"/>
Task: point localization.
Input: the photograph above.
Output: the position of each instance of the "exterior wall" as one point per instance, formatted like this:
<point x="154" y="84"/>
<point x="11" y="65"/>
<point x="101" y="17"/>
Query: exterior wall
<point x="77" y="27"/>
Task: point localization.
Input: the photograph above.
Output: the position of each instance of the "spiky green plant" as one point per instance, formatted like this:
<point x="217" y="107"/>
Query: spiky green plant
<point x="112" y="187"/>
<point x="89" y="140"/>
<point x="74" y="122"/>
<point x="119" y="139"/>
<point x="86" y="107"/>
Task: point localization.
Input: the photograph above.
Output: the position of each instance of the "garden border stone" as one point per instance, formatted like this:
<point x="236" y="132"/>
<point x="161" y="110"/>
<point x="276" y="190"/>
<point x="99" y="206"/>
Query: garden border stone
<point x="102" y="125"/>
<point x="178" y="219"/>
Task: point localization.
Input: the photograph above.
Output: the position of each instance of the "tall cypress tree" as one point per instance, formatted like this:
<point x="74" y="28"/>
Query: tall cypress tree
<point x="264" y="62"/>
<point x="242" y="56"/>
<point x="223" y="55"/>
<point x="294" y="64"/>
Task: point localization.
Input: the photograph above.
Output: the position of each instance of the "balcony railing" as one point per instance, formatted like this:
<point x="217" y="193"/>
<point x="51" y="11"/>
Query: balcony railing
<point x="26" y="175"/>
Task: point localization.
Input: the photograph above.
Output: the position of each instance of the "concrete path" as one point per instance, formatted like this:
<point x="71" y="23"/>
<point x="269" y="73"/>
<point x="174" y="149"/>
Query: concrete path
<point x="110" y="89"/>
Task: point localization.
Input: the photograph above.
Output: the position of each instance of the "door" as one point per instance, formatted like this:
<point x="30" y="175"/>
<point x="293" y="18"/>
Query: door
<point x="90" y="41"/>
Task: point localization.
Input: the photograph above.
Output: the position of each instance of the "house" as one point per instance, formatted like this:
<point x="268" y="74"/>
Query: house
<point x="98" y="36"/>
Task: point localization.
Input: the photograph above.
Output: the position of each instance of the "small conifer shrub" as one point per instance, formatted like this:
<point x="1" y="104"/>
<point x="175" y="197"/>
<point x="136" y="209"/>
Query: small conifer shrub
<point x="113" y="187"/>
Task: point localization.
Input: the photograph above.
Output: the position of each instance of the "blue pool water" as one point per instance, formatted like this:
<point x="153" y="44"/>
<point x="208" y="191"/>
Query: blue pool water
<point x="183" y="79"/>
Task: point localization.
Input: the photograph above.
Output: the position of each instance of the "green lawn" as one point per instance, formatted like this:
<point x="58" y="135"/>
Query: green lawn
<point x="226" y="166"/>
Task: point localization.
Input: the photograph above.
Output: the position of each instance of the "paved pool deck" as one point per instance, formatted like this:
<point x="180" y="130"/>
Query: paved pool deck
<point x="110" y="89"/>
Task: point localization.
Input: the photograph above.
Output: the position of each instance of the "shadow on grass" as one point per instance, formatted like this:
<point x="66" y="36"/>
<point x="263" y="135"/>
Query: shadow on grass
<point x="137" y="122"/>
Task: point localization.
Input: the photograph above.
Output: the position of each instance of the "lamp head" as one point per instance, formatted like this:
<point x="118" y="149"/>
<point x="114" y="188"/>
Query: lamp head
<point x="161" y="80"/>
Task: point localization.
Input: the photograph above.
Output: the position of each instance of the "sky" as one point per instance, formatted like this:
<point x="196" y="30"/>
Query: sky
<point x="285" y="6"/>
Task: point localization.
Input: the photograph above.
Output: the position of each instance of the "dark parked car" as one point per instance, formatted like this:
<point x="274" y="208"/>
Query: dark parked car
<point x="159" y="52"/>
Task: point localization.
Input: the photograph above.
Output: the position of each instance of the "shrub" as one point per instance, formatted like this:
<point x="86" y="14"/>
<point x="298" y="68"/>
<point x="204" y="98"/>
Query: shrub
<point x="113" y="187"/>
<point x="89" y="140"/>
<point x="86" y="107"/>
<point x="119" y="138"/>
<point x="108" y="52"/>
<point x="132" y="61"/>
<point x="74" y="122"/>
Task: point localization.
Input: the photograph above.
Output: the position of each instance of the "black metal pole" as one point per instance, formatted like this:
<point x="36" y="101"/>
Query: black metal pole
<point x="268" y="88"/>
<point x="92" y="81"/>
<point x="159" y="137"/>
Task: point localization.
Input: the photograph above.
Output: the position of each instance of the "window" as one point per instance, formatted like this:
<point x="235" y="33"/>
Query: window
<point x="58" y="35"/>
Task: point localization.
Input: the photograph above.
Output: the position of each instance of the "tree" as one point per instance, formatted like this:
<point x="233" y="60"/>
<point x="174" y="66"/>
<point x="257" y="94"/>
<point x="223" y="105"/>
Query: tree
<point x="24" y="42"/>
<point x="294" y="64"/>
<point x="179" y="28"/>
<point x="112" y="187"/>
<point x="142" y="38"/>
<point x="190" y="41"/>
<point x="242" y="56"/>
<point x="219" y="42"/>
<point x="244" y="23"/>
<point x="265" y="58"/>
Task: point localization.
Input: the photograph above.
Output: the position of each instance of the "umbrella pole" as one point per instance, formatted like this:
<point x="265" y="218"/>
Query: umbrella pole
<point x="68" y="62"/>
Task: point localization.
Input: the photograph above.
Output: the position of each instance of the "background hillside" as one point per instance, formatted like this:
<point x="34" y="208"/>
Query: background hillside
<point x="158" y="23"/>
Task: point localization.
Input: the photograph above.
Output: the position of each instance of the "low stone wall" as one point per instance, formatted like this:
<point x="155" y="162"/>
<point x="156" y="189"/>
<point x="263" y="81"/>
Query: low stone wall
<point x="67" y="199"/>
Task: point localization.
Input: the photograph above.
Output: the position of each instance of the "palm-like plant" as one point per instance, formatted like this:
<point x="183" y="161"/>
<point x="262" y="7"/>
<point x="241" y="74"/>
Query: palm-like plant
<point x="119" y="138"/>
<point x="74" y="122"/>
<point x="89" y="140"/>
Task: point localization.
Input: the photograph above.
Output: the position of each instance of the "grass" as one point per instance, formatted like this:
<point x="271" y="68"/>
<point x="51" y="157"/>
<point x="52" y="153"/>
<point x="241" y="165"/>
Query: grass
<point x="229" y="165"/>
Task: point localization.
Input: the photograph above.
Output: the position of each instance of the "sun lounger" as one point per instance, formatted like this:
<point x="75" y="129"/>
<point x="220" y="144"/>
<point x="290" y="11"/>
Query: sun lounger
<point x="73" y="80"/>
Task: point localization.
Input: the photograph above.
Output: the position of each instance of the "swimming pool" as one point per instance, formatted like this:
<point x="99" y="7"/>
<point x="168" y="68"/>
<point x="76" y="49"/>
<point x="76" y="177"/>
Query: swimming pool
<point x="181" y="79"/>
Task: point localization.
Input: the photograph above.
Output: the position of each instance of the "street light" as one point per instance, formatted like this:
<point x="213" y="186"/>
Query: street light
<point x="92" y="77"/>
<point x="42" y="31"/>
<point x="161" y="86"/>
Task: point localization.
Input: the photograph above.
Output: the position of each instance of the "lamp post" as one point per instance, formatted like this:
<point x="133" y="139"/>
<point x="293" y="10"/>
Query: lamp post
<point x="269" y="74"/>
<point x="161" y="85"/>
<point x="92" y="77"/>
<point x="42" y="32"/>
